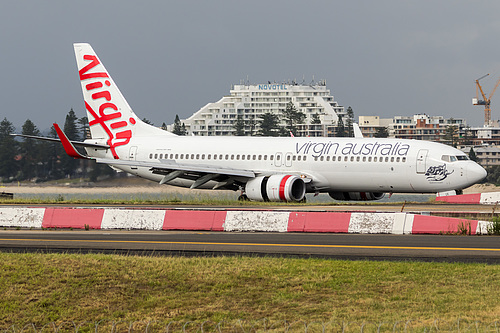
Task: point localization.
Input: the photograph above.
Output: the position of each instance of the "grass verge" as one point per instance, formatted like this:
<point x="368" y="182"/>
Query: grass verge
<point x="42" y="288"/>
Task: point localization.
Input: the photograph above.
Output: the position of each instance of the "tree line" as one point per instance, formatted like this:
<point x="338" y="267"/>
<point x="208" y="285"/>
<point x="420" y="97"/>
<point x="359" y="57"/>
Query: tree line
<point x="36" y="160"/>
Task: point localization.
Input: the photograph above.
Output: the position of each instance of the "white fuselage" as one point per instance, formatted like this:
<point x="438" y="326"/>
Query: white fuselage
<point x="333" y="164"/>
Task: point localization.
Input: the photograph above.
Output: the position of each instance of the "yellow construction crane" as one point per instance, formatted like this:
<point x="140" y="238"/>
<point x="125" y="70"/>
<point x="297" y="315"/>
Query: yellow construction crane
<point x="485" y="101"/>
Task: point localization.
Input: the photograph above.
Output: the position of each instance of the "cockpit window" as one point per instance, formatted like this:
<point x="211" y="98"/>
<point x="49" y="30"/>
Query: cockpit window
<point x="451" y="158"/>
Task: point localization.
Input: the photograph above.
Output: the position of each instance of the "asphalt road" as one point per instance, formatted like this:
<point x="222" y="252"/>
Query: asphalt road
<point x="483" y="249"/>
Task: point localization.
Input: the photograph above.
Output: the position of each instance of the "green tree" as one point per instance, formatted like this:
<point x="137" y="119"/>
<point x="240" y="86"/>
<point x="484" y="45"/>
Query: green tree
<point x="251" y="125"/>
<point x="293" y="117"/>
<point x="349" y="121"/>
<point x="8" y="163"/>
<point x="315" y="119"/>
<point x="451" y="135"/>
<point x="84" y="128"/>
<point x="71" y="128"/>
<point x="179" y="129"/>
<point x="472" y="155"/>
<point x="29" y="151"/>
<point x="69" y="164"/>
<point x="269" y="125"/>
<point x="467" y="138"/>
<point x="340" y="128"/>
<point x="239" y="126"/>
<point x="382" y="132"/>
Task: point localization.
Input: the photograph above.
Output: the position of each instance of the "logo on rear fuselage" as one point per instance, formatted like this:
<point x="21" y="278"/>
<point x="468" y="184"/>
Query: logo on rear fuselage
<point x="108" y="116"/>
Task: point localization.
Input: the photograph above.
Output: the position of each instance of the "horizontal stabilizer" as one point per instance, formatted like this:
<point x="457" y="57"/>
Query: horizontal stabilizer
<point x="75" y="143"/>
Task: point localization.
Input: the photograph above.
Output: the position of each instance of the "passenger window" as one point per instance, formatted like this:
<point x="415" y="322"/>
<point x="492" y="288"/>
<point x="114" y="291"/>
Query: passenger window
<point x="192" y="156"/>
<point x="299" y="158"/>
<point x="404" y="159"/>
<point x="209" y="156"/>
<point x="248" y="157"/>
<point x="197" y="156"/>
<point x="265" y="157"/>
<point x="156" y="156"/>
<point x="375" y="159"/>
<point x="333" y="158"/>
<point x="232" y="157"/>
<point x="392" y="159"/>
<point x="364" y="158"/>
<point x="227" y="157"/>
<point x="242" y="157"/>
<point x="260" y="157"/>
<point x="357" y="159"/>
<point x="397" y="159"/>
<point x="345" y="158"/>
<point x="305" y="158"/>
<point x="294" y="158"/>
<point x="203" y="156"/>
<point x="328" y="158"/>
<point x="182" y="156"/>
<point x="150" y="156"/>
<point x="321" y="158"/>
<point x="369" y="158"/>
<point x="387" y="159"/>
<point x="271" y="157"/>
<point x="352" y="158"/>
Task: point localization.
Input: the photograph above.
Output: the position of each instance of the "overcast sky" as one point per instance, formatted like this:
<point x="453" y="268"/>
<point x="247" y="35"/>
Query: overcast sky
<point x="381" y="57"/>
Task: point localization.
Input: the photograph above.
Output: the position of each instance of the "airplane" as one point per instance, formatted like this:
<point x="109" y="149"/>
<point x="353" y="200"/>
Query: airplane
<point x="262" y="168"/>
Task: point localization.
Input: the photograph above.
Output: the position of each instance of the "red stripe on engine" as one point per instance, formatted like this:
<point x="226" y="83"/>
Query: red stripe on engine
<point x="282" y="187"/>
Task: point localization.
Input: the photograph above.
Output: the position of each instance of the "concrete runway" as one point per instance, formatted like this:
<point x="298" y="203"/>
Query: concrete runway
<point x="482" y="249"/>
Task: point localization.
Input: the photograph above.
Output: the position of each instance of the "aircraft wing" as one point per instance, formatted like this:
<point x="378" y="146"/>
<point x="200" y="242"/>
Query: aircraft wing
<point x="168" y="165"/>
<point x="200" y="173"/>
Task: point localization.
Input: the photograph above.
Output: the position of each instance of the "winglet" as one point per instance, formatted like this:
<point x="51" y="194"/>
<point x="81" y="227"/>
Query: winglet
<point x="67" y="145"/>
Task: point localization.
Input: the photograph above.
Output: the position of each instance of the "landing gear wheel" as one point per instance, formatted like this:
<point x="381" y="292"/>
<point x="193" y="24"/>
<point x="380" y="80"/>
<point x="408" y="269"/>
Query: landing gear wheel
<point x="243" y="197"/>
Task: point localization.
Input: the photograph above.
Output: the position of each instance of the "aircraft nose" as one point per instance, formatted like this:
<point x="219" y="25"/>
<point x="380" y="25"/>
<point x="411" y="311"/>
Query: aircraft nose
<point x="475" y="173"/>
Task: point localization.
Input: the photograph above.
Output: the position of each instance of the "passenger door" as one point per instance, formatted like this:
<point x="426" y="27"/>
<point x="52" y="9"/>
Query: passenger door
<point x="421" y="160"/>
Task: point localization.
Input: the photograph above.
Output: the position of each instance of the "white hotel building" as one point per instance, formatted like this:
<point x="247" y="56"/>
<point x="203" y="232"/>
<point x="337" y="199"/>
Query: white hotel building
<point x="251" y="101"/>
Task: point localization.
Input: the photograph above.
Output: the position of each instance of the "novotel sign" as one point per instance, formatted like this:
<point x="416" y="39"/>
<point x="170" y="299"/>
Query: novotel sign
<point x="272" y="87"/>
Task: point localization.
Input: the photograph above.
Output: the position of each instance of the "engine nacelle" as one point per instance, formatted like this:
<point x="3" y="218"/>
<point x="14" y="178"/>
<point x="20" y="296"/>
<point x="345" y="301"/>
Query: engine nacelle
<point x="276" y="188"/>
<point x="356" y="196"/>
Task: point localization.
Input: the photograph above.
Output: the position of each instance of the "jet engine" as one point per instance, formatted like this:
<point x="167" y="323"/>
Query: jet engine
<point x="276" y="188"/>
<point x="356" y="196"/>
